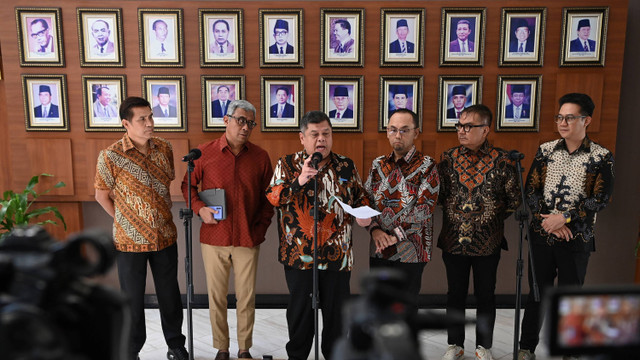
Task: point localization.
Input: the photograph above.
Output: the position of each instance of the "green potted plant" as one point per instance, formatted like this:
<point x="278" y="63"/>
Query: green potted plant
<point x="14" y="207"/>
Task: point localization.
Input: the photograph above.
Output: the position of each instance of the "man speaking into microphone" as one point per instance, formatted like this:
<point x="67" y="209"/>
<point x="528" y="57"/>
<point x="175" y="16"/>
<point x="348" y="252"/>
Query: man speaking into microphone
<point x="291" y="191"/>
<point x="242" y="170"/>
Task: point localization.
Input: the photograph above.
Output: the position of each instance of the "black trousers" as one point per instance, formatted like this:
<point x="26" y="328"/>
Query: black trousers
<point x="132" y="272"/>
<point x="484" y="284"/>
<point x="412" y="273"/>
<point x="334" y="291"/>
<point x="550" y="262"/>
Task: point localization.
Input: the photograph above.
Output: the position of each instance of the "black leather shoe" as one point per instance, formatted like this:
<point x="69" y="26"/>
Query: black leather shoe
<point x="179" y="353"/>
<point x="222" y="355"/>
<point x="244" y="355"/>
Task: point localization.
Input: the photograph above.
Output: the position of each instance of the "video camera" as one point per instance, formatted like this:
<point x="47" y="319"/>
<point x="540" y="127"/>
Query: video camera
<point x="379" y="324"/>
<point x="47" y="310"/>
<point x="594" y="321"/>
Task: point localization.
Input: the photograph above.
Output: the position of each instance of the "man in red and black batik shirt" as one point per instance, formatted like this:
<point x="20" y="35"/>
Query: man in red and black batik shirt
<point x="291" y="192"/>
<point x="479" y="191"/>
<point x="404" y="187"/>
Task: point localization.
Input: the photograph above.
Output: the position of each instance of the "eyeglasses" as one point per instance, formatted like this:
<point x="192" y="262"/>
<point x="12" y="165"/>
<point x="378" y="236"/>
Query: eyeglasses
<point x="467" y="127"/>
<point x="569" y="118"/>
<point x="243" y="120"/>
<point x="402" y="132"/>
<point x="38" y="34"/>
<point x="280" y="33"/>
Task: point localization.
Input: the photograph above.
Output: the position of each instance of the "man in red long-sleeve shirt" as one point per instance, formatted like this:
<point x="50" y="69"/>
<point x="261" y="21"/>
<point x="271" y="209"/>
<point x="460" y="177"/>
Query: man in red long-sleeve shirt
<point x="243" y="170"/>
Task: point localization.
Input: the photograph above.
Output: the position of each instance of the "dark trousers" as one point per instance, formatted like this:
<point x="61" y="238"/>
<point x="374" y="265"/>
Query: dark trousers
<point x="550" y="262"/>
<point x="412" y="273"/>
<point x="333" y="288"/>
<point x="132" y="272"/>
<point x="484" y="284"/>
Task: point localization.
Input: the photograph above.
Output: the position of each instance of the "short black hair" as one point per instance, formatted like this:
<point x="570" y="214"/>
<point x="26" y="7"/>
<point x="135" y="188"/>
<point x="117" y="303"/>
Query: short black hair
<point x="41" y="21"/>
<point x="153" y="27"/>
<point x="482" y="111"/>
<point x="99" y="90"/>
<point x="222" y="86"/>
<point x="414" y="116"/>
<point x="583" y="100"/>
<point x="286" y="89"/>
<point x="220" y="21"/>
<point x="464" y="21"/>
<point x="344" y="24"/>
<point x="126" y="108"/>
<point x="313" y="117"/>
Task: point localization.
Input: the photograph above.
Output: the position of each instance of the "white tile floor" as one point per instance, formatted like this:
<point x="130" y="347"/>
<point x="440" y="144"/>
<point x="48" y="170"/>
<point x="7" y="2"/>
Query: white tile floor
<point x="270" y="337"/>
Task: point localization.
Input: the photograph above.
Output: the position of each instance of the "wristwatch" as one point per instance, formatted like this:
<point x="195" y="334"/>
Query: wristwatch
<point x="567" y="217"/>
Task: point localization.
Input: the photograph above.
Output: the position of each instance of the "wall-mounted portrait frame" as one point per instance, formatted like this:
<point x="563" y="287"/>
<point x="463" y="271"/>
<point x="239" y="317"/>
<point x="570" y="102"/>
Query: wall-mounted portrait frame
<point x="221" y="37"/>
<point x="40" y="36"/>
<point x="462" y="36"/>
<point x="584" y="36"/>
<point x="161" y="39"/>
<point x="522" y="34"/>
<point x="281" y="37"/>
<point x="45" y="102"/>
<point x="217" y="93"/>
<point x="399" y="92"/>
<point x="455" y="93"/>
<point x="100" y="37"/>
<point x="401" y="40"/>
<point x="167" y="96"/>
<point x="518" y="107"/>
<point x="341" y="99"/>
<point x="102" y="96"/>
<point x="341" y="37"/>
<point x="282" y="102"/>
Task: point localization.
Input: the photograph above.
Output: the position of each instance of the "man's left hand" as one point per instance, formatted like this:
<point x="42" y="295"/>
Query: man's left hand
<point x="552" y="223"/>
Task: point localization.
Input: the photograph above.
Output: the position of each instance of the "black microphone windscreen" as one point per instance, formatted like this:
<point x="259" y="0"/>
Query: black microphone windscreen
<point x="315" y="159"/>
<point x="193" y="154"/>
<point x="516" y="155"/>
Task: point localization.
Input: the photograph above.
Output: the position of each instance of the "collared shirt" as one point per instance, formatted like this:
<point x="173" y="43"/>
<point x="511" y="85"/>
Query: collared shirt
<point x="244" y="177"/>
<point x="463" y="45"/>
<point x="338" y="179"/>
<point x="479" y="190"/>
<point x="140" y="187"/>
<point x="580" y="183"/>
<point x="406" y="193"/>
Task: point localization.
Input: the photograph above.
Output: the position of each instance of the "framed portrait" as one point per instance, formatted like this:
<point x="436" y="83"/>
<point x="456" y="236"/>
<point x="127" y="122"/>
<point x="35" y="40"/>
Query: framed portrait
<point x="100" y="37"/>
<point x="102" y="96"/>
<point x="456" y="92"/>
<point x="341" y="37"/>
<point x="281" y="38"/>
<point x="584" y="36"/>
<point x="401" y="40"/>
<point x="45" y="102"/>
<point x="161" y="39"/>
<point x="399" y="92"/>
<point x="462" y="36"/>
<point x="217" y="93"/>
<point x="518" y="107"/>
<point x="522" y="34"/>
<point x="221" y="37"/>
<point x="341" y="99"/>
<point x="166" y="94"/>
<point x="282" y="100"/>
<point x="40" y="36"/>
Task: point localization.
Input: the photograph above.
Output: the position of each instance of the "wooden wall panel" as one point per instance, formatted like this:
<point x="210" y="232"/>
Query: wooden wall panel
<point x="72" y="214"/>
<point x="51" y="156"/>
<point x="180" y="149"/>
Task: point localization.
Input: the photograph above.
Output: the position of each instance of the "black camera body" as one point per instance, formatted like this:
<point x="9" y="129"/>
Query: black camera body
<point x="48" y="309"/>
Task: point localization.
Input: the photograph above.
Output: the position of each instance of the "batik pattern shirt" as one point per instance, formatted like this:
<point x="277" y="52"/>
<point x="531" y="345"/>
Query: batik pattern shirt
<point x="406" y="193"/>
<point x="479" y="190"/>
<point x="337" y="180"/>
<point x="140" y="187"/>
<point x="580" y="183"/>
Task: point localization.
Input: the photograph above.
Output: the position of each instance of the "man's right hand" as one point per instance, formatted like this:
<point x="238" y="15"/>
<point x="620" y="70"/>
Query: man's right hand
<point x="206" y="214"/>
<point x="382" y="240"/>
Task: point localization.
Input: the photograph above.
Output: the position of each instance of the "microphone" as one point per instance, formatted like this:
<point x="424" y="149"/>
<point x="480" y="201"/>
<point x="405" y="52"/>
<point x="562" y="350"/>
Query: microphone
<point x="516" y="155"/>
<point x="315" y="160"/>
<point x="194" y="154"/>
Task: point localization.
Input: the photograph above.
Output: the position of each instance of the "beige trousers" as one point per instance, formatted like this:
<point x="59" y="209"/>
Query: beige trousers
<point x="218" y="261"/>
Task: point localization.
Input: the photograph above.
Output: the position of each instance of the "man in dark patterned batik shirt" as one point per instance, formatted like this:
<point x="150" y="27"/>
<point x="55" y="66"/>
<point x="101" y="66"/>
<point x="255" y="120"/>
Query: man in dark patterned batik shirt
<point x="479" y="190"/>
<point x="570" y="180"/>
<point x="403" y="186"/>
<point x="291" y="192"/>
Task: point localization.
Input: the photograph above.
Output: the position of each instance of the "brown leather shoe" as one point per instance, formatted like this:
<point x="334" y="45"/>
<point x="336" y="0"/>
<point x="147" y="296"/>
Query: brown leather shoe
<point x="222" y="355"/>
<point x="244" y="355"/>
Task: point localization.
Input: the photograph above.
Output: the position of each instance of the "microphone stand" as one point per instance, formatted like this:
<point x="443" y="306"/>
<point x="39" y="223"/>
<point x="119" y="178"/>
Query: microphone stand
<point x="522" y="215"/>
<point x="314" y="297"/>
<point x="187" y="216"/>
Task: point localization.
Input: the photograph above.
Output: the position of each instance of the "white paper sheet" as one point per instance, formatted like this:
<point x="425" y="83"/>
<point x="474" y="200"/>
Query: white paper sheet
<point x="362" y="212"/>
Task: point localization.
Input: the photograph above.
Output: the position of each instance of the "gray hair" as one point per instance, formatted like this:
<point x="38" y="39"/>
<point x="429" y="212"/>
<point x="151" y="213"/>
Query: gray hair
<point x="241" y="104"/>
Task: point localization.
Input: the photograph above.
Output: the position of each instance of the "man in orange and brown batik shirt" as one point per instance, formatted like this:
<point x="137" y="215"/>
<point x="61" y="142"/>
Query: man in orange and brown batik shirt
<point x="291" y="192"/>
